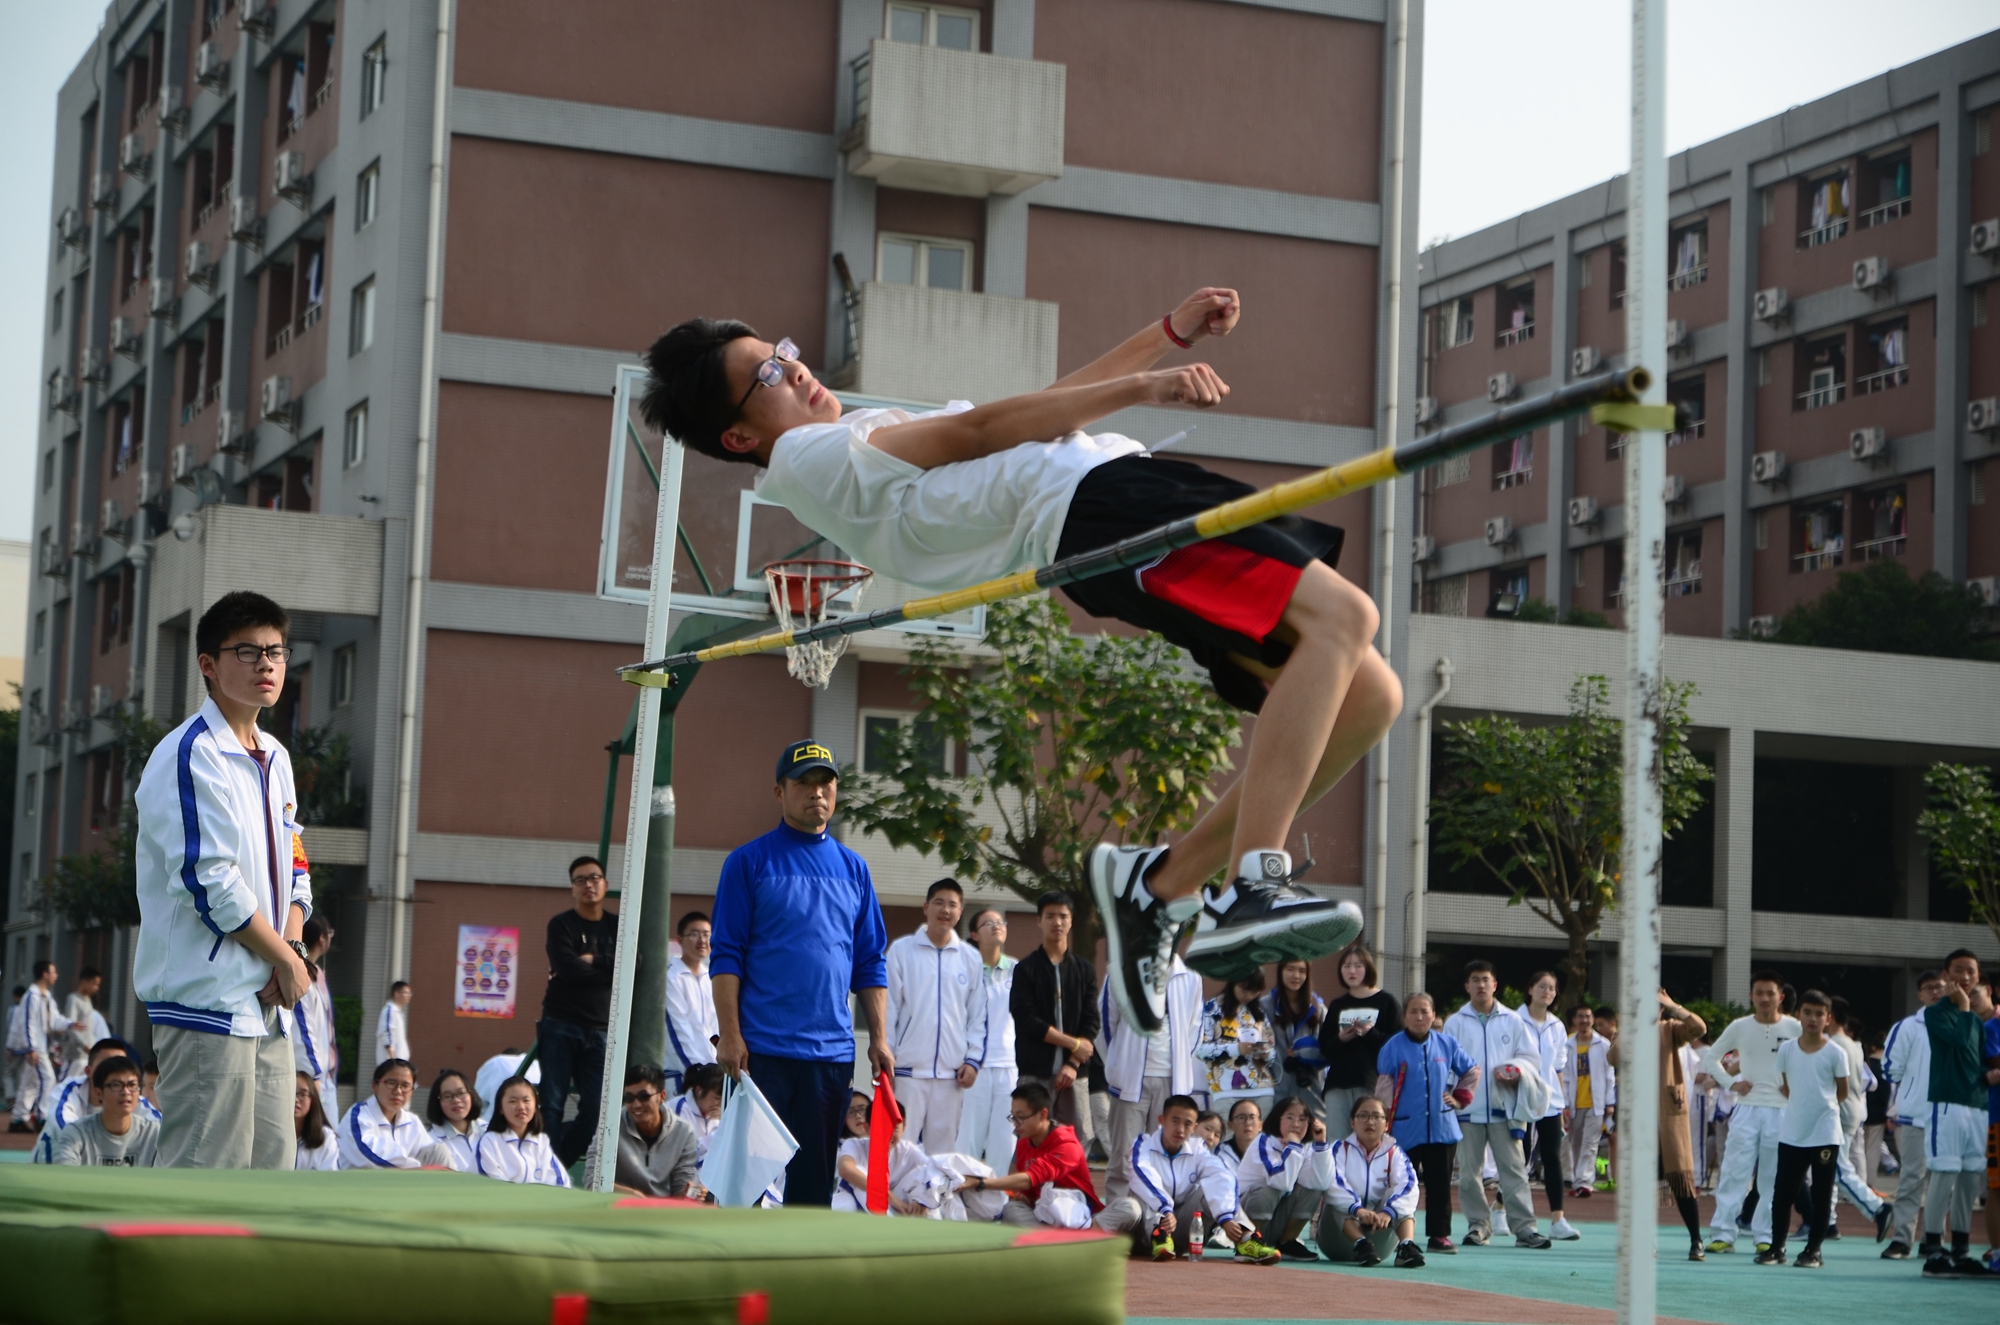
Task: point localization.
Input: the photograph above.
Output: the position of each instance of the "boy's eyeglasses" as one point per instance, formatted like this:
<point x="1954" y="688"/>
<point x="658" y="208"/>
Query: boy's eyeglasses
<point x="771" y="372"/>
<point x="250" y="653"/>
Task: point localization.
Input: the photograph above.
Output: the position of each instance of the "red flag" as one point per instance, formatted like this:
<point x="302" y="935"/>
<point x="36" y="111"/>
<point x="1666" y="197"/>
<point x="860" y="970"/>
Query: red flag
<point x="883" y="1120"/>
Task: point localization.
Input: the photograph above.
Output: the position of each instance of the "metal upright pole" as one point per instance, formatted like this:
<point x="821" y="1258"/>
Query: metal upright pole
<point x="1645" y="629"/>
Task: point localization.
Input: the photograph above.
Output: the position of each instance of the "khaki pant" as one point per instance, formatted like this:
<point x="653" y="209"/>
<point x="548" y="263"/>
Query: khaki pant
<point x="225" y="1100"/>
<point x="1130" y="1120"/>
<point x="1513" y="1170"/>
<point x="1911" y="1182"/>
<point x="1125" y="1215"/>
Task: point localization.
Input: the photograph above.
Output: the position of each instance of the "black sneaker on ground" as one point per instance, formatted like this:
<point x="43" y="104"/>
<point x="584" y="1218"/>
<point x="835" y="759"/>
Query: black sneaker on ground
<point x="1937" y="1265"/>
<point x="1365" y="1253"/>
<point x="1769" y="1256"/>
<point x="1478" y="1236"/>
<point x="1409" y="1256"/>
<point x="1696" y="1251"/>
<point x="1808" y="1260"/>
<point x="1969" y="1267"/>
<point x="1883" y="1217"/>
<point x="1896" y="1251"/>
<point x="1294" y="1250"/>
<point x="1139" y="932"/>
<point x="1441" y="1247"/>
<point x="1260" y="920"/>
<point x="1534" y="1242"/>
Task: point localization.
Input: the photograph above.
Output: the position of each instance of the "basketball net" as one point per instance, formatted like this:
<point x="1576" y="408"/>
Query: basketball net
<point x="802" y="594"/>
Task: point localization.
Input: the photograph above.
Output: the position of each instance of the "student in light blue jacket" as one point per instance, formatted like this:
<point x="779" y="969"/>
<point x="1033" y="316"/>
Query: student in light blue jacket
<point x="1425" y="1076"/>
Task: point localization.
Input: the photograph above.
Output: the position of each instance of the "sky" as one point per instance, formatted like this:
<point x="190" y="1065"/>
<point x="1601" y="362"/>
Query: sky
<point x="1524" y="102"/>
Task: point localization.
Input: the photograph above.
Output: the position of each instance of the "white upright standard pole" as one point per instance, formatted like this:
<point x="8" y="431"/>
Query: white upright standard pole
<point x="1645" y="629"/>
<point x="638" y="817"/>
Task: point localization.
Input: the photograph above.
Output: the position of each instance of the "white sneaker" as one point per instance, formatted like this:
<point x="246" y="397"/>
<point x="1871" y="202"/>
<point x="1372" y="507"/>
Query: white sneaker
<point x="1499" y="1223"/>
<point x="1562" y="1231"/>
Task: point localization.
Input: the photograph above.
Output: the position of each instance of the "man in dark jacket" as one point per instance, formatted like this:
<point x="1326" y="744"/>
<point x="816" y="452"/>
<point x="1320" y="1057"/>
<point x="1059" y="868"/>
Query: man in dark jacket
<point x="583" y="942"/>
<point x="1054" y="1003"/>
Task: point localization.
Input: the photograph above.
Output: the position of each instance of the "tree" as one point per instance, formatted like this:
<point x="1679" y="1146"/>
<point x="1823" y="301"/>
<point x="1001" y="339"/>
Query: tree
<point x="1880" y="609"/>
<point x="95" y="889"/>
<point x="323" y="769"/>
<point x="1064" y="736"/>
<point x="1541" y="807"/>
<point x="1542" y="612"/>
<point x="1963" y="825"/>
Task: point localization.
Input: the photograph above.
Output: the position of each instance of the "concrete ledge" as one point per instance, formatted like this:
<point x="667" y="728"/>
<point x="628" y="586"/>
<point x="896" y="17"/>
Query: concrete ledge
<point x="478" y="113"/>
<point x="1222" y="206"/>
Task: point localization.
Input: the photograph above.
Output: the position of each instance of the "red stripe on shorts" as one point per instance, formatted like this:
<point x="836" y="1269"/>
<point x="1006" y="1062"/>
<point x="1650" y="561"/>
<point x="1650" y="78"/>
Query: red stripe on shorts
<point x="1225" y="585"/>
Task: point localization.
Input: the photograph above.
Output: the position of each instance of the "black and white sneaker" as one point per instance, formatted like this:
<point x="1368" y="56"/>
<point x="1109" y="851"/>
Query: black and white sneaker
<point x="1260" y="919"/>
<point x="1139" y="932"/>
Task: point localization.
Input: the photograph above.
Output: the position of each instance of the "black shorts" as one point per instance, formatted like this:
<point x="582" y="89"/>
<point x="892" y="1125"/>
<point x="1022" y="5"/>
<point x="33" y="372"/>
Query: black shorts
<point x="1213" y="599"/>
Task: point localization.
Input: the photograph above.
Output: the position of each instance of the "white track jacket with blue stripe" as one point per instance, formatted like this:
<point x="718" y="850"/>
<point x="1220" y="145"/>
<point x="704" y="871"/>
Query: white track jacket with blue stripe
<point x="218" y="843"/>
<point x="937" y="1006"/>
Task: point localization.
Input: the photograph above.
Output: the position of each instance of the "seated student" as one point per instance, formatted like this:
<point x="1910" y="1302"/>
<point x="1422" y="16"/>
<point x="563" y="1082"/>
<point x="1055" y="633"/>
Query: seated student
<point x="700" y="1105"/>
<point x="1375" y="1193"/>
<point x="119" y="1134"/>
<point x="658" y="1151"/>
<point x="380" y="1132"/>
<point x="149" y="1090"/>
<point x="317" y="1147"/>
<point x="1174" y="1177"/>
<point x="1046" y="1154"/>
<point x="457" y="1117"/>
<point x="909" y="1167"/>
<point x="1286" y="1175"/>
<point x="1245" y="1123"/>
<point x="515" y="1148"/>
<point x="1208" y="1126"/>
<point x="76" y="1098"/>
<point x="506" y="1063"/>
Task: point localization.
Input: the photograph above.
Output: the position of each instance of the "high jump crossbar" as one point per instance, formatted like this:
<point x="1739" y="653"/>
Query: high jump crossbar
<point x="1611" y="398"/>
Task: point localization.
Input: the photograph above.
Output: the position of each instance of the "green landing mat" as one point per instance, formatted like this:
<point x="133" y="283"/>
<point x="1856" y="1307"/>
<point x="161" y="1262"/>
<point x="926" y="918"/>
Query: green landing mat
<point x="172" y="1246"/>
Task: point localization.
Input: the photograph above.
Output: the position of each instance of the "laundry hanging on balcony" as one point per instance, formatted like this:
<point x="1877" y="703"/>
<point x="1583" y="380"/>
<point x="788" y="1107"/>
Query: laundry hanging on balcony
<point x="1829" y="202"/>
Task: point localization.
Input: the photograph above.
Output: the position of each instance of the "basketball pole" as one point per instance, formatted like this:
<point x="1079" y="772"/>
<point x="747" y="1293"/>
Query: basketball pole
<point x="1612" y="399"/>
<point x="1645" y="628"/>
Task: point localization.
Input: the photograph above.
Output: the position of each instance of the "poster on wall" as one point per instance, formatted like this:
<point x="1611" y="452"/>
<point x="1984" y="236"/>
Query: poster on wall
<point x="486" y="970"/>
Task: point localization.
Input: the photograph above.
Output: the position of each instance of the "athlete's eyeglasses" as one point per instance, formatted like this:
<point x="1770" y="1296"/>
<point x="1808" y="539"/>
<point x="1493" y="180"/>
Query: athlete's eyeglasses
<point x="248" y="654"/>
<point x="771" y="372"/>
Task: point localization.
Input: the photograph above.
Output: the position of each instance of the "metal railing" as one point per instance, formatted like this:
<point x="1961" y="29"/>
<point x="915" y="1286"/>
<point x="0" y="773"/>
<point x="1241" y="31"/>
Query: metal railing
<point x="1887" y="212"/>
<point x="1823" y="396"/>
<point x="1513" y="478"/>
<point x="1885" y="380"/>
<point x="1693" y="276"/>
<point x="1825" y="234"/>
<point x="320" y="96"/>
<point x="1827" y="555"/>
<point x="1892" y="546"/>
<point x="211" y="393"/>
<point x="206" y="211"/>
<point x="864" y="80"/>
<point x="311" y="316"/>
<point x="279" y="339"/>
<point x="1680" y="586"/>
<point x="1515" y="335"/>
<point x="1697" y="429"/>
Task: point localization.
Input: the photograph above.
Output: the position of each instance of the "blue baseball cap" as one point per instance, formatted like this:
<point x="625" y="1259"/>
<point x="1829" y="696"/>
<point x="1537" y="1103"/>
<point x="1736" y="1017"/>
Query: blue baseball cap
<point x="801" y="757"/>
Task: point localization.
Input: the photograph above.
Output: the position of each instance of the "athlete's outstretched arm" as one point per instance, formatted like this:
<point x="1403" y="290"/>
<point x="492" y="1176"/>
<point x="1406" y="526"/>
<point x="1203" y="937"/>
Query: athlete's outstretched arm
<point x="1042" y="416"/>
<point x="1209" y="311"/>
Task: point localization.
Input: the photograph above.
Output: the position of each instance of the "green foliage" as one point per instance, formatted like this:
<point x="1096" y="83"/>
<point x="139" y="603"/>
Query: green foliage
<point x="1541" y="807"/>
<point x="323" y="768"/>
<point x="1583" y="616"/>
<point x="1880" y="609"/>
<point x="94" y="889"/>
<point x="1542" y="612"/>
<point x="1717" y="1015"/>
<point x="1963" y="825"/>
<point x="1065" y="737"/>
<point x="347" y="1035"/>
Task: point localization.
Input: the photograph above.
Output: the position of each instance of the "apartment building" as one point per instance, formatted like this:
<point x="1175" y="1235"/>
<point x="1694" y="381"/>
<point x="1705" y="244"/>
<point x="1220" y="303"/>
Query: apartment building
<point x="1830" y="274"/>
<point x="277" y="359"/>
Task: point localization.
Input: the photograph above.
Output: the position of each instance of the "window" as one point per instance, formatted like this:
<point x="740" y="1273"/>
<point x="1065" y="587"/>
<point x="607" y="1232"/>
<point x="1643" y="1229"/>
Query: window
<point x="55" y="313"/>
<point x="1583" y="274"/>
<point x="934" y="25"/>
<point x="1447" y="596"/>
<point x="367" y="196"/>
<point x="1457" y="469"/>
<point x="1618" y="274"/>
<point x="343" y="675"/>
<point x="42" y="630"/>
<point x="1885" y="357"/>
<point x="1687" y="255"/>
<point x="1823" y="373"/>
<point x="1457" y="323"/>
<point x="1975" y="494"/>
<point x="1978" y="305"/>
<point x="1514" y="311"/>
<point x="1767" y="201"/>
<point x="28" y="793"/>
<point x="1886" y="185"/>
<point x="48" y="470"/>
<point x="940" y="264"/>
<point x="1882" y="520"/>
<point x="1576" y="564"/>
<point x="1764" y="367"/>
<point x="1760" y="531"/>
<point x="1819" y="535"/>
<point x="361" y="318"/>
<point x="1509" y="591"/>
<point x="1684" y="563"/>
<point x="374" y="77"/>
<point x="1614" y="574"/>
<point x="354" y="440"/>
<point x="1689" y="396"/>
<point x="877" y="728"/>
<point x="1513" y="462"/>
<point x="1823" y="208"/>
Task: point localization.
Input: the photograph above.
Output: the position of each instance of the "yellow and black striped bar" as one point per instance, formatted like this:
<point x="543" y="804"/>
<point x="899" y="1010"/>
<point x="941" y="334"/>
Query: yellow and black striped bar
<point x="1616" y="388"/>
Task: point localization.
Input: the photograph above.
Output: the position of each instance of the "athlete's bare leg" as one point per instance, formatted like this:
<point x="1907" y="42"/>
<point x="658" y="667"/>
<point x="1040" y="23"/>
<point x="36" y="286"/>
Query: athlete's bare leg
<point x="1316" y="723"/>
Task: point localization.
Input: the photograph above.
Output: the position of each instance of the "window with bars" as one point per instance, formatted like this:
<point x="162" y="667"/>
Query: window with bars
<point x="1821" y="373"/>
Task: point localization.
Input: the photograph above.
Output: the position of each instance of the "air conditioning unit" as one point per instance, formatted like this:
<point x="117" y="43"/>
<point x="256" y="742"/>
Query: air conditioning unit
<point x="1767" y="466"/>
<point x="125" y="337"/>
<point x="1583" y="361"/>
<point x="104" y="192"/>
<point x="151" y="490"/>
<point x="109" y="515"/>
<point x="161" y="298"/>
<point x="102" y="700"/>
<point x="82" y="539"/>
<point x="1869" y="444"/>
<point x="275" y="396"/>
<point x="96" y="370"/>
<point x="71" y="229"/>
<point x="132" y="154"/>
<point x="1677" y="334"/>
<point x="1501" y="386"/>
<point x="62" y="393"/>
<point x="1871" y="273"/>
<point x="1763" y="627"/>
<point x="181" y="466"/>
<point x="289" y="178"/>
<point x="211" y="66"/>
<point x="173" y="109"/>
<point x="1427" y="409"/>
<point x="1423" y="548"/>
<point x="1676" y="490"/>
<point x="1988" y="589"/>
<point x="229" y="434"/>
<point x="1983" y="415"/>
<point x="1986" y="237"/>
<point x="1583" y="511"/>
<point x="1770" y="304"/>
<point x="1499" y="531"/>
<point x="260" y="17"/>
<point x="198" y="266"/>
<point x="245" y="226"/>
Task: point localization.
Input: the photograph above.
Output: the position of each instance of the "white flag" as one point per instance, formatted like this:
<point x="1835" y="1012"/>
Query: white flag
<point x="751" y="1146"/>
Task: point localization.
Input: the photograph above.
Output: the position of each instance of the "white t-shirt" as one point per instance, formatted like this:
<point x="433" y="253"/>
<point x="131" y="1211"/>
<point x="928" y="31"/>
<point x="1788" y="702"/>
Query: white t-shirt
<point x="943" y="528"/>
<point x="1812" y="1114"/>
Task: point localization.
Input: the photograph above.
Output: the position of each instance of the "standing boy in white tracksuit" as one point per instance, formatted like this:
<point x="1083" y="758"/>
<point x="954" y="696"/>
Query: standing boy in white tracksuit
<point x="1141" y="1071"/>
<point x="1906" y="1061"/>
<point x="936" y="1020"/>
<point x="1847" y="1180"/>
<point x="691" y="1024"/>
<point x="1494" y="1037"/>
<point x="984" y="1125"/>
<point x="42" y="1028"/>
<point x="1744" y="1060"/>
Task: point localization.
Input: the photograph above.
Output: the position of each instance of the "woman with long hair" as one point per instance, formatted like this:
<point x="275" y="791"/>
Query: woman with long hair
<point x="1297" y="1013"/>
<point x="1359" y="1020"/>
<point x="515" y="1148"/>
<point x="457" y="1117"/>
<point x="1237" y="1046"/>
<point x="316" y="1147"/>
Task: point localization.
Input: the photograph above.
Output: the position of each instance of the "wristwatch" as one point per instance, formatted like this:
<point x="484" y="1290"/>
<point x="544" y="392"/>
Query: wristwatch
<point x="299" y="948"/>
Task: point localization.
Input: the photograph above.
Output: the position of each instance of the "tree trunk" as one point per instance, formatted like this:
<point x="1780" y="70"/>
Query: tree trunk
<point x="1576" y="968"/>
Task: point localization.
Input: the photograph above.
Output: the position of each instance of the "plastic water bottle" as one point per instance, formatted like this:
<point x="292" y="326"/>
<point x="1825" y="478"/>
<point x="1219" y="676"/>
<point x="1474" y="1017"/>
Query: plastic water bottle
<point x="1195" y="1236"/>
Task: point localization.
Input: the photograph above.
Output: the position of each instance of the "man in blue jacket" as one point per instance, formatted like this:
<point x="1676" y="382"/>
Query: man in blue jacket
<point x="1425" y="1076"/>
<point x="797" y="928"/>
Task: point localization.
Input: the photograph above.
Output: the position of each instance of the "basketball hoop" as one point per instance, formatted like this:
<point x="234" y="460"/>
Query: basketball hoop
<point x="801" y="592"/>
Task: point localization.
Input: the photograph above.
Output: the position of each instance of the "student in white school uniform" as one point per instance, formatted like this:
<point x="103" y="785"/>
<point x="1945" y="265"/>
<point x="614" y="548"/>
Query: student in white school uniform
<point x="498" y="1068"/>
<point x="516" y="1149"/>
<point x="86" y="1025"/>
<point x="1286" y="1176"/>
<point x="1142" y="1071"/>
<point x="1545" y="1139"/>
<point x="985" y="1130"/>
<point x="457" y="1117"/>
<point x="380" y="1132"/>
<point x="42" y="1030"/>
<point x="1493" y="1037"/>
<point x="313" y="1047"/>
<point x="1906" y="1061"/>
<point x="318" y="1147"/>
<point x="1813" y="1079"/>
<point x="915" y="1186"/>
<point x="700" y="1105"/>
<point x="1586" y="1095"/>
<point x="392" y="1027"/>
<point x="1848" y="1183"/>
<point x="1174" y="1176"/>
<point x="1744" y="1059"/>
<point x="1374" y="1193"/>
<point x="691" y="1026"/>
<point x="936" y="1020"/>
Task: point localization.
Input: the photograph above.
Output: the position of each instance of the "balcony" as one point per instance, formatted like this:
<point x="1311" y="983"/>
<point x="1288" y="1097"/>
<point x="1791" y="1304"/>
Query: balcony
<point x="1893" y="546"/>
<point x="935" y="345"/>
<point x="1887" y="379"/>
<point x="1687" y="280"/>
<point x="1693" y="432"/>
<point x="1827" y="554"/>
<point x="1689" y="582"/>
<point x="1820" y="397"/>
<point x="1887" y="212"/>
<point x="1824" y="234"/>
<point x="1516" y="335"/>
<point x="958" y="122"/>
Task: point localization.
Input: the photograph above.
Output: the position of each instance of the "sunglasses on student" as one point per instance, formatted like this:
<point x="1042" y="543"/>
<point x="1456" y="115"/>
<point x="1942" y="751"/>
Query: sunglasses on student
<point x="771" y="372"/>
<point x="638" y="1097"/>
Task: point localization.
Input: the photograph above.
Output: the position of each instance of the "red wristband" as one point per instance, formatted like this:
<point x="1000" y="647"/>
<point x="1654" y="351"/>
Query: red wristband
<point x="1167" y="325"/>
